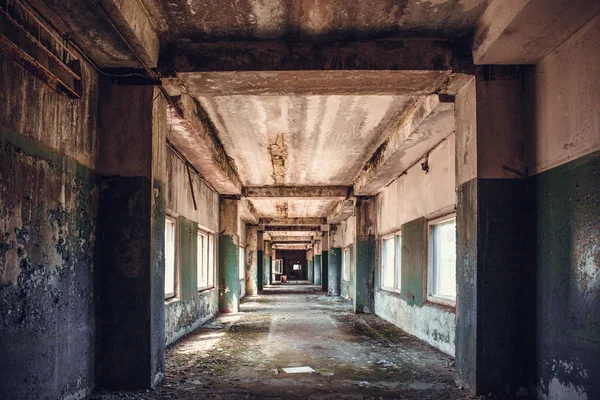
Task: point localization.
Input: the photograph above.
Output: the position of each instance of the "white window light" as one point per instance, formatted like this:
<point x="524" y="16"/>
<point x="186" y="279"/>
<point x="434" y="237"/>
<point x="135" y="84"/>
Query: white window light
<point x="346" y="265"/>
<point x="170" y="270"/>
<point x="241" y="262"/>
<point x="441" y="272"/>
<point x="391" y="262"/>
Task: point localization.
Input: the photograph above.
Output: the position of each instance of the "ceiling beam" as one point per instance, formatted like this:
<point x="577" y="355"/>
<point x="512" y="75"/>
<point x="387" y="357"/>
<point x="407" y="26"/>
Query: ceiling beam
<point x="304" y="242"/>
<point x="410" y="54"/>
<point x="293" y="221"/>
<point x="92" y="22"/>
<point x="292" y="228"/>
<point x="288" y="239"/>
<point x="341" y="212"/>
<point x="427" y="123"/>
<point x="314" y="83"/>
<point x="194" y="136"/>
<point x="248" y="213"/>
<point x="297" y="192"/>
<point x="525" y="31"/>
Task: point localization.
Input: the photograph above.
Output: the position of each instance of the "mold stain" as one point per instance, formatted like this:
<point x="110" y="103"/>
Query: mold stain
<point x="278" y="153"/>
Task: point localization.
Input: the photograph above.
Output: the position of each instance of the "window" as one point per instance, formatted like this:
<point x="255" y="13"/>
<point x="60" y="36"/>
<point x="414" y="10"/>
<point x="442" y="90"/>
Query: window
<point x="205" y="261"/>
<point x="441" y="272"/>
<point x="241" y="262"/>
<point x="346" y="265"/>
<point x="391" y="262"/>
<point x="170" y="269"/>
<point x="278" y="266"/>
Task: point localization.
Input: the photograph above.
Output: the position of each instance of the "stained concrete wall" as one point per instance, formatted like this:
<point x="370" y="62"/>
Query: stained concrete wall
<point x="48" y="221"/>
<point x="191" y="308"/>
<point x="567" y="219"/>
<point x="410" y="197"/>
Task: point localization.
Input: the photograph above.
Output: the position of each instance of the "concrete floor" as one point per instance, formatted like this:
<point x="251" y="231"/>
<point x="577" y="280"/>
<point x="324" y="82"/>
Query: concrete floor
<point x="354" y="356"/>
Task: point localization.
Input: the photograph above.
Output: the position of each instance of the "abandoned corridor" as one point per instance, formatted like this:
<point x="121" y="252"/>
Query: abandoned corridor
<point x="353" y="355"/>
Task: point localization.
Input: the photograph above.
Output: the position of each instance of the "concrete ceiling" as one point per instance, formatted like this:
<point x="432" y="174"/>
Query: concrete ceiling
<point x="302" y="140"/>
<point x="242" y="20"/>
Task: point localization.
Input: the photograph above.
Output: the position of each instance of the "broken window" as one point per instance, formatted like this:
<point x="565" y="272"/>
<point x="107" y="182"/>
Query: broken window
<point x="391" y="262"/>
<point x="441" y="283"/>
<point x="346" y="265"/>
<point x="205" y="261"/>
<point x="170" y="270"/>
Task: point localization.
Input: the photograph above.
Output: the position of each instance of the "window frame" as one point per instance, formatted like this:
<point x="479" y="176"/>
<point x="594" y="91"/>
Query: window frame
<point x="429" y="268"/>
<point x="170" y="218"/>
<point x="208" y="258"/>
<point x="397" y="288"/>
<point x="346" y="264"/>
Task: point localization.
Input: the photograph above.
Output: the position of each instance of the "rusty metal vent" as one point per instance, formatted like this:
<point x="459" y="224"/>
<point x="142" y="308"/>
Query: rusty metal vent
<point x="30" y="42"/>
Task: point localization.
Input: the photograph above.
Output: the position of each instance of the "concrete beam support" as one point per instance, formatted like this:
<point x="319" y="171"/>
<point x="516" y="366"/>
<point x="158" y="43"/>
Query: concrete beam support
<point x="364" y="280"/>
<point x="424" y="125"/>
<point x="297" y="192"/>
<point x="193" y="135"/>
<point x="229" y="280"/>
<point x="325" y="261"/>
<point x="408" y="55"/>
<point x="293" y="221"/>
<point x="267" y="263"/>
<point x="317" y="263"/>
<point x="251" y="266"/>
<point x="310" y="267"/>
<point x="495" y="338"/>
<point x="132" y="167"/>
<point x="525" y="31"/>
<point x="342" y="211"/>
<point x="248" y="213"/>
<point x="76" y="17"/>
<point x="260" y="251"/>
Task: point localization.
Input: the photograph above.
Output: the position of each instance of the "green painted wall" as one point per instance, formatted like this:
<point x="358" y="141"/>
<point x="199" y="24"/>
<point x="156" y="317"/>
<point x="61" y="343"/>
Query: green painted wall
<point x="318" y="270"/>
<point x="334" y="275"/>
<point x="229" y="280"/>
<point x="364" y="293"/>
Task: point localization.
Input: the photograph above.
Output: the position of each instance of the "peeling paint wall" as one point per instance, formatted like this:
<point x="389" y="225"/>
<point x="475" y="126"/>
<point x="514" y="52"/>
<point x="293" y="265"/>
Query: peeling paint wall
<point x="192" y="308"/>
<point x="567" y="220"/>
<point x="48" y="217"/>
<point x="408" y="198"/>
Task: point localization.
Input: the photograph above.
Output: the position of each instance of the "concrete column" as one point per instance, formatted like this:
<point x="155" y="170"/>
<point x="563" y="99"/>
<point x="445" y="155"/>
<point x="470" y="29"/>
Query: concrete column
<point x="325" y="261"/>
<point x="260" y="260"/>
<point x="309" y="266"/>
<point x="132" y="168"/>
<point x="317" y="263"/>
<point x="495" y="338"/>
<point x="251" y="266"/>
<point x="229" y="281"/>
<point x="334" y="262"/>
<point x="267" y="259"/>
<point x="364" y="280"/>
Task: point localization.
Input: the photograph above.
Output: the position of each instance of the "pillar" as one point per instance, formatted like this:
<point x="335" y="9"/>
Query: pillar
<point x="260" y="260"/>
<point x="325" y="261"/>
<point x="229" y="281"/>
<point x="310" y="266"/>
<point x="334" y="263"/>
<point x="251" y="267"/>
<point x="132" y="167"/>
<point x="267" y="258"/>
<point x="317" y="263"/>
<point x="364" y="280"/>
<point x="495" y="338"/>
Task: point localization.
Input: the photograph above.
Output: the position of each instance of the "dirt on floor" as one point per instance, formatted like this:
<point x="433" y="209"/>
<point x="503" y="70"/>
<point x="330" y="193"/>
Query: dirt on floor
<point x="354" y="356"/>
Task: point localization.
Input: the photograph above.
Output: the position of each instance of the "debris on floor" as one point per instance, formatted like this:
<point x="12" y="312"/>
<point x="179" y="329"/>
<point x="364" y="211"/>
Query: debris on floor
<point x="298" y="370"/>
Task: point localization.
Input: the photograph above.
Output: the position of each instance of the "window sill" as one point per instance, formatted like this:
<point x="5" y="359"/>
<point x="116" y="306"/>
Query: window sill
<point x="205" y="289"/>
<point x="444" y="305"/>
<point x="394" y="292"/>
<point x="171" y="300"/>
